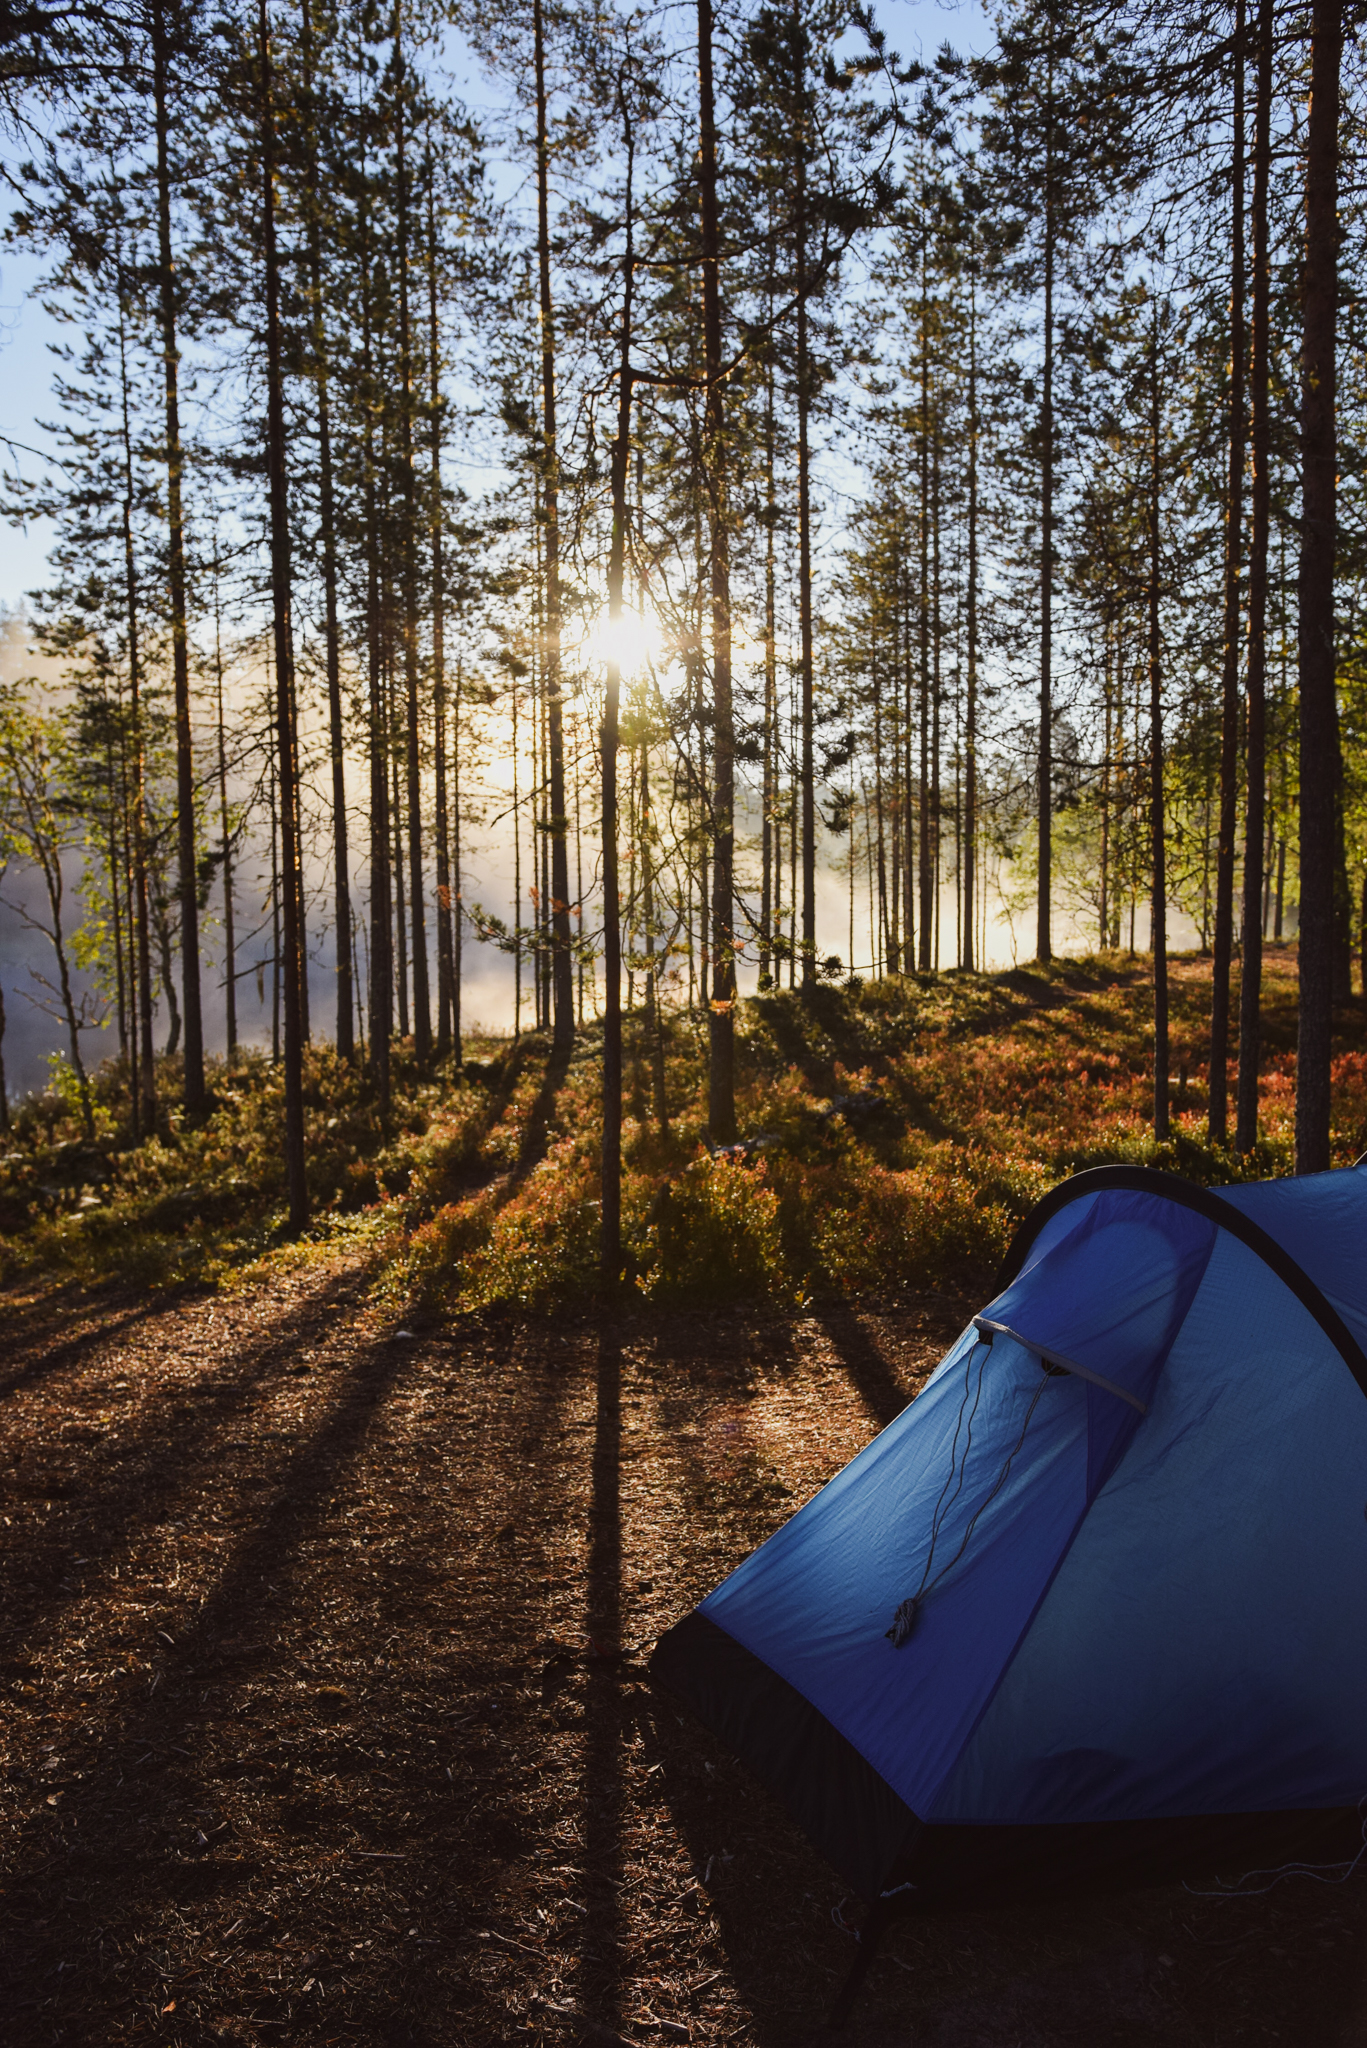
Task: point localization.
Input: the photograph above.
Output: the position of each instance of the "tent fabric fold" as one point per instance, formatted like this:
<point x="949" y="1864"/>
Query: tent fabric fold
<point x="1140" y="1596"/>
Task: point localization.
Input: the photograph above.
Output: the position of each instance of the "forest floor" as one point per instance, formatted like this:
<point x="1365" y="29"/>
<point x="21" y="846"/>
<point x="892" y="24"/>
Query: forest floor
<point x="322" y="1654"/>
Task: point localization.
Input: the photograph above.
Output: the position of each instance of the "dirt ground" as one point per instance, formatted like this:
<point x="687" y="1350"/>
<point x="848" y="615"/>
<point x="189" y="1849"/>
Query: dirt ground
<point x="325" y="1713"/>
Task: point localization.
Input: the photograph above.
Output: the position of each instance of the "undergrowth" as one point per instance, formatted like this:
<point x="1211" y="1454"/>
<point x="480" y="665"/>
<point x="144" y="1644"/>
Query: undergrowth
<point x="892" y="1136"/>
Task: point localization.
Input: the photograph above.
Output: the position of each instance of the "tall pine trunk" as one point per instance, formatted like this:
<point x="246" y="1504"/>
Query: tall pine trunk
<point x="721" y="1021"/>
<point x="1157" y="817"/>
<point x="327" y="523"/>
<point x="562" y="972"/>
<point x="771" y="870"/>
<point x="286" y="738"/>
<point x="1044" y="946"/>
<point x="381" y="932"/>
<point x="1320" y="766"/>
<point x="927" y="909"/>
<point x="225" y="832"/>
<point x="422" y="1009"/>
<point x="145" y="1057"/>
<point x="970" y="852"/>
<point x="804" y="507"/>
<point x="448" y="1011"/>
<point x="1255" y="747"/>
<point x="610" y="1240"/>
<point x="1218" y="1123"/>
<point x="187" y="876"/>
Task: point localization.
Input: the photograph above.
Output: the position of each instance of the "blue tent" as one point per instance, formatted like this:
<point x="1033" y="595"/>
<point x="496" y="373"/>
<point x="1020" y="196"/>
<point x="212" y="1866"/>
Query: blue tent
<point x="1096" y="1602"/>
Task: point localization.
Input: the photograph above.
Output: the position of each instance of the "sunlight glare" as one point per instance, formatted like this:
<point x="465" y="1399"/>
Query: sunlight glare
<point x="634" y="641"/>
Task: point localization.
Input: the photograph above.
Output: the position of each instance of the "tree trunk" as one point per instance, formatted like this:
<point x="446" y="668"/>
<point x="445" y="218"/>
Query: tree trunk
<point x="923" y="958"/>
<point x="225" y="830"/>
<point x="1320" y="763"/>
<point x="1156" y="807"/>
<point x="804" y="512"/>
<point x="422" y="1008"/>
<point x="455" y="868"/>
<point x="1044" y="948"/>
<point x="286" y="737"/>
<point x="1218" y="1123"/>
<point x="769" y="847"/>
<point x="721" y="1022"/>
<point x="970" y="853"/>
<point x="381" y="958"/>
<point x="397" y="819"/>
<point x="1251" y="973"/>
<point x="188" y="880"/>
<point x="562" y="974"/>
<point x="443" y="838"/>
<point x="610" y="1241"/>
<point x="327" y="522"/>
<point x="936" y="687"/>
<point x="145" y="1057"/>
<point x="654" y="1018"/>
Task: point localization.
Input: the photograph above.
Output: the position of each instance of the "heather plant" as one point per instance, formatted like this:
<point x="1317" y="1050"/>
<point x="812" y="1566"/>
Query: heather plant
<point x="890" y="1137"/>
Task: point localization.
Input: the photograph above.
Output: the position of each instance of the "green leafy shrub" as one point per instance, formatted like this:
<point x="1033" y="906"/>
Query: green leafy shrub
<point x="713" y="1235"/>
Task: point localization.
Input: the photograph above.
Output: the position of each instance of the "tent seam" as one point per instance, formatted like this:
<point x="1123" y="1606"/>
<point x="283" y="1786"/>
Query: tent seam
<point x="1148" y="1180"/>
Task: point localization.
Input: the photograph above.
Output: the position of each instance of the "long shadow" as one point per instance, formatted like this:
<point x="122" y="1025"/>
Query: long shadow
<point x="533" y="1147"/>
<point x="480" y="1174"/>
<point x="90" y="1873"/>
<point x="878" y="1386"/>
<point x="144" y="1470"/>
<point x="48" y="1359"/>
<point x="600" y="1960"/>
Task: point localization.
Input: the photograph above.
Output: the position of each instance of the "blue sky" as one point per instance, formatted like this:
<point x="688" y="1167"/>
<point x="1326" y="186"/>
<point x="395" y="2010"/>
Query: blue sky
<point x="26" y="332"/>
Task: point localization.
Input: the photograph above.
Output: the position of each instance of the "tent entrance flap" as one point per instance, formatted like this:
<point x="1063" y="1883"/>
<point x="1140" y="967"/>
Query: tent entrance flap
<point x="971" y="1458"/>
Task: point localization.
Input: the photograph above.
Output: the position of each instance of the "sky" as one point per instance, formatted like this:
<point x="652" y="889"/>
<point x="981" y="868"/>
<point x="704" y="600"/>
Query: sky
<point x="27" y="333"/>
<point x="914" y="28"/>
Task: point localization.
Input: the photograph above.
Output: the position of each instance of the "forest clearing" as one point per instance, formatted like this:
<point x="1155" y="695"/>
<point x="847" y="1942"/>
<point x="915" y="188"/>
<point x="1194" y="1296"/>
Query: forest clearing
<point x="325" y="1628"/>
<point x="580" y="580"/>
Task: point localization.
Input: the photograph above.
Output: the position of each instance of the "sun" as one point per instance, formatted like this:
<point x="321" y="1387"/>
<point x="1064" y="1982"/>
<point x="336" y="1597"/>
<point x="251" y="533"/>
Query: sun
<point x="634" y="641"/>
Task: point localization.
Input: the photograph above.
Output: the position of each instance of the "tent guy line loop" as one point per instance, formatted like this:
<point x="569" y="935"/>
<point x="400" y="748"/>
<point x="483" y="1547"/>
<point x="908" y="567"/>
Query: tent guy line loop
<point x="909" y="1612"/>
<point x="1058" y="1359"/>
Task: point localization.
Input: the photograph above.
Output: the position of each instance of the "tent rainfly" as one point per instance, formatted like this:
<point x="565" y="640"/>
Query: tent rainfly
<point x="1094" y="1607"/>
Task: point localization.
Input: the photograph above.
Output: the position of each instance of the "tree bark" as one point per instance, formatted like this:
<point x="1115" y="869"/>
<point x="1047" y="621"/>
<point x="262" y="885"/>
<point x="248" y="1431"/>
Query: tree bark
<point x="1044" y="948"/>
<point x="1158" y="827"/>
<point x="286" y="737"/>
<point x="1218" y="1121"/>
<point x="225" y="830"/>
<point x="422" y="1008"/>
<point x="1320" y="765"/>
<point x="562" y="974"/>
<point x="187" y="876"/>
<point x="770" y="841"/>
<point x="970" y="853"/>
<point x="927" y="906"/>
<point x="1255" y="742"/>
<point x="145" y="1057"/>
<point x="448" y="1025"/>
<point x="381" y="933"/>
<point x="721" y="1021"/>
<point x="804" y="511"/>
<point x="327" y="522"/>
<point x="610" y="1241"/>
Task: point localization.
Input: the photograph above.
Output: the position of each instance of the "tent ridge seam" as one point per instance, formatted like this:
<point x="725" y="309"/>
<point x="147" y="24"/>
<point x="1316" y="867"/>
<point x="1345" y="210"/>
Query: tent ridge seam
<point x="1148" y="1180"/>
